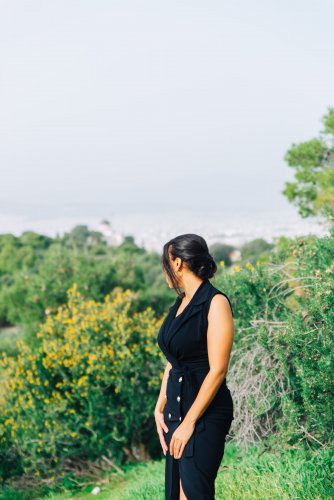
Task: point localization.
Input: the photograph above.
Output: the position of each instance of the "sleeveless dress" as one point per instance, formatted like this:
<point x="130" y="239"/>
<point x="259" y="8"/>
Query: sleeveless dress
<point x="182" y="339"/>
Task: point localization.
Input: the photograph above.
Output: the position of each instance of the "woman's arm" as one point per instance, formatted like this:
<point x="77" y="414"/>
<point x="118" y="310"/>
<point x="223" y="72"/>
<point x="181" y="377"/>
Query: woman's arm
<point x="219" y="341"/>
<point x="159" y="407"/>
<point x="162" y="395"/>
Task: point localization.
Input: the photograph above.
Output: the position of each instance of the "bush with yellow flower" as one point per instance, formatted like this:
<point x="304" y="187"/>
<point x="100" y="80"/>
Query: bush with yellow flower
<point x="88" y="389"/>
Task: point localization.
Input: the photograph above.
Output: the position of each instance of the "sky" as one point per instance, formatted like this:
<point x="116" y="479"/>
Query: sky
<point x="133" y="106"/>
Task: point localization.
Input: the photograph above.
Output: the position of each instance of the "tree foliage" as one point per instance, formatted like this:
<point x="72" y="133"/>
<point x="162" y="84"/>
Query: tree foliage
<point x="313" y="163"/>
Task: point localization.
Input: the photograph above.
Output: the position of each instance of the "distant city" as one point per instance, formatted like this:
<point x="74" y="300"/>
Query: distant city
<point x="152" y="230"/>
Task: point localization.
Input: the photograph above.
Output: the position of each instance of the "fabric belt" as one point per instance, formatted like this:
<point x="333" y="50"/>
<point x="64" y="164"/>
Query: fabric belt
<point x="190" y="388"/>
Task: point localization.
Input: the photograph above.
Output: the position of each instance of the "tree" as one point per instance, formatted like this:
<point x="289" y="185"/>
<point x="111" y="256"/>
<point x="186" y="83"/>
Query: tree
<point x="252" y="250"/>
<point x="82" y="237"/>
<point x="313" y="161"/>
<point x="221" y="251"/>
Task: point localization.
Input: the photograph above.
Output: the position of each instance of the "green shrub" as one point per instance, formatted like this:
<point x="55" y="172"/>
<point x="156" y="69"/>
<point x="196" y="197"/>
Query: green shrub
<point x="284" y="322"/>
<point x="88" y="390"/>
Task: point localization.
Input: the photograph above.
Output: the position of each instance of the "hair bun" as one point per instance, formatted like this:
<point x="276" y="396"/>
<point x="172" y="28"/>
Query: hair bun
<point x="205" y="267"/>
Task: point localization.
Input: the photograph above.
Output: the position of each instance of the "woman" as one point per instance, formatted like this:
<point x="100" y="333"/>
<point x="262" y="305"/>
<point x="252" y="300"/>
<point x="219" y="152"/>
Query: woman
<point x="194" y="410"/>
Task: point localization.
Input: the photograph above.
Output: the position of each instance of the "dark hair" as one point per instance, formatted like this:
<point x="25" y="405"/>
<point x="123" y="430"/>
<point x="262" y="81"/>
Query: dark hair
<point x="191" y="249"/>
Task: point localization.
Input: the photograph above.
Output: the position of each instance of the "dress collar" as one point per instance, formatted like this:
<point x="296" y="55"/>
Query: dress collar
<point x="198" y="297"/>
<point x="173" y="323"/>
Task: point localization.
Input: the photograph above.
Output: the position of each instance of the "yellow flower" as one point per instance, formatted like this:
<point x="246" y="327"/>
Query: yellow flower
<point x="237" y="268"/>
<point x="81" y="380"/>
<point x="222" y="263"/>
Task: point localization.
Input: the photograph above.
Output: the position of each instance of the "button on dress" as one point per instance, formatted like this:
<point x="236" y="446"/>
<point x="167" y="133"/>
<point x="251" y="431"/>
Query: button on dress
<point x="183" y="341"/>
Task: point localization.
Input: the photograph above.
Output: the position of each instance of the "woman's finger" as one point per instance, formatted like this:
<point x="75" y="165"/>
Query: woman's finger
<point x="171" y="445"/>
<point x="179" y="455"/>
<point x="163" y="442"/>
<point x="163" y="425"/>
<point x="174" y="445"/>
<point x="164" y="447"/>
<point x="161" y="421"/>
<point x="177" y="447"/>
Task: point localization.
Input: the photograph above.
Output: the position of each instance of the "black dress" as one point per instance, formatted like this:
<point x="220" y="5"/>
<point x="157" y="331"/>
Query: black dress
<point x="182" y="339"/>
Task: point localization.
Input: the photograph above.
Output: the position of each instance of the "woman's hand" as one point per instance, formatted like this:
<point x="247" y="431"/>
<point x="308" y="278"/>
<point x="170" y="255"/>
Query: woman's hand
<point x="161" y="427"/>
<point x="180" y="438"/>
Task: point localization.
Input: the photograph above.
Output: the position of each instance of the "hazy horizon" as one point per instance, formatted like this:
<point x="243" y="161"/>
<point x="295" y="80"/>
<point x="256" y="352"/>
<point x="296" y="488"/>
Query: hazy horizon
<point x="119" y="108"/>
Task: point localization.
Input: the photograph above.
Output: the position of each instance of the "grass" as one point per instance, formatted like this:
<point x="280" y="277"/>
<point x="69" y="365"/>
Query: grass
<point x="253" y="474"/>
